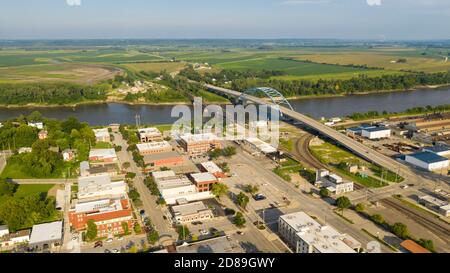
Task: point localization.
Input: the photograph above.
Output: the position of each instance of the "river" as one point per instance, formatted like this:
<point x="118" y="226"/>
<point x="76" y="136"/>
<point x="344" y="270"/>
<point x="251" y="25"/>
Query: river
<point x="103" y="114"/>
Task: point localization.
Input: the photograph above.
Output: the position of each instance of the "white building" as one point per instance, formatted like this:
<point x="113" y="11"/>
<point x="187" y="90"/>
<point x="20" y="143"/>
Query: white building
<point x="376" y="133"/>
<point x="46" y="236"/>
<point x="188" y="213"/>
<point x="150" y="135"/>
<point x="306" y="235"/>
<point x="38" y="125"/>
<point x="333" y="182"/>
<point x="428" y="161"/>
<point x="9" y="240"/>
<point x="178" y="188"/>
<point x="260" y="146"/>
<point x="103" y="155"/>
<point x="151" y="148"/>
<point x="102" y="135"/>
<point x="438" y="205"/>
<point x="93" y="187"/>
<point x="4" y="231"/>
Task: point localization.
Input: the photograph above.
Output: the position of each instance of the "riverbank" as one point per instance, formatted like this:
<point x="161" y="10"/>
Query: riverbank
<point x="327" y="96"/>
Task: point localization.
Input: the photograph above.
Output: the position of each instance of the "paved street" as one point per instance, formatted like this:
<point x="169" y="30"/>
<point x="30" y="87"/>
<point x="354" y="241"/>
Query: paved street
<point x="167" y="233"/>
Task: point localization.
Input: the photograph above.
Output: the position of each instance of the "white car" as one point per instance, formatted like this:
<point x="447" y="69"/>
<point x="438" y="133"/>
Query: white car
<point x="116" y="251"/>
<point x="110" y="240"/>
<point x="120" y="239"/>
<point x="204" y="232"/>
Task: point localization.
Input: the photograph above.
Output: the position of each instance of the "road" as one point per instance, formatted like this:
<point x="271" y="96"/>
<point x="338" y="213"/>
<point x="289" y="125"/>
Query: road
<point x="166" y="232"/>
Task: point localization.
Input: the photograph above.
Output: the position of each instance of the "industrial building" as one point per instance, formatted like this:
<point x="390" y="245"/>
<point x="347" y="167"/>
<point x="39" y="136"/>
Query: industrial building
<point x="187" y="213"/>
<point x="333" y="182"/>
<point x="260" y="146"/>
<point x="46" y="236"/>
<point x="199" y="144"/>
<point x="428" y="161"/>
<point x="147" y="135"/>
<point x="376" y="133"/>
<point x="152" y="148"/>
<point x="442" y="150"/>
<point x="306" y="235"/>
<point x="435" y="204"/>
<point x="212" y="168"/>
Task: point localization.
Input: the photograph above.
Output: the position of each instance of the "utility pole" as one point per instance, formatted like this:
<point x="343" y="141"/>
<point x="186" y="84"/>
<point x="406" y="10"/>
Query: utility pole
<point x="138" y="121"/>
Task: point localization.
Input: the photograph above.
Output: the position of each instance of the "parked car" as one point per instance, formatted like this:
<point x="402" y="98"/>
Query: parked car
<point x="240" y="233"/>
<point x="204" y="232"/>
<point x="197" y="223"/>
<point x="98" y="244"/>
<point x="259" y="197"/>
<point x="116" y="251"/>
<point x="110" y="240"/>
<point x="107" y="251"/>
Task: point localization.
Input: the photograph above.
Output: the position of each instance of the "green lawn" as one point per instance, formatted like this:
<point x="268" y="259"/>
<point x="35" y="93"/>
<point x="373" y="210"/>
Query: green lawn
<point x="27" y="190"/>
<point x="14" y="170"/>
<point x="103" y="145"/>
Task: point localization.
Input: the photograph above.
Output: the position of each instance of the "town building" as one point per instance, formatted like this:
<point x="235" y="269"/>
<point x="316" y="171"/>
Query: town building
<point x="102" y="135"/>
<point x="219" y="245"/>
<point x="428" y="161"/>
<point x="376" y="133"/>
<point x="46" y="236"/>
<point x="204" y="181"/>
<point x="199" y="144"/>
<point x="25" y="150"/>
<point x="109" y="215"/>
<point x="103" y="156"/>
<point x="260" y="146"/>
<point x="212" y="168"/>
<point x="187" y="213"/>
<point x="441" y="150"/>
<point x="178" y="188"/>
<point x="115" y="127"/>
<point x="95" y="187"/>
<point x="152" y="148"/>
<point x="43" y="135"/>
<point x="305" y="235"/>
<point x="163" y="160"/>
<point x="333" y="182"/>
<point x="150" y="135"/>
<point x="10" y="240"/>
<point x="440" y="206"/>
<point x="38" y="125"/>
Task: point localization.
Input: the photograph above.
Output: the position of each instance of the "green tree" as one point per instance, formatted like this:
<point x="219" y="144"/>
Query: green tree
<point x="91" y="232"/>
<point x="400" y="230"/>
<point x="428" y="244"/>
<point x="343" y="203"/>
<point x="153" y="237"/>
<point x="239" y="220"/>
<point x="243" y="200"/>
<point x="377" y="218"/>
<point x="251" y="189"/>
<point x="324" y="193"/>
<point x="7" y="188"/>
<point x="359" y="207"/>
<point x="219" y="190"/>
<point x="183" y="232"/>
<point x="125" y="228"/>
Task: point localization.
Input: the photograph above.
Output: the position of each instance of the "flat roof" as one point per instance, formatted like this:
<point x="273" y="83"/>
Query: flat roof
<point x="437" y="149"/>
<point x="153" y="145"/>
<point x="203" y="177"/>
<point x="161" y="156"/>
<point x="188" y="209"/>
<point x="101" y="132"/>
<point x="376" y="129"/>
<point x="434" y="200"/>
<point x="211" y="167"/>
<point x="149" y="131"/>
<point x="429" y="157"/>
<point x="173" y="182"/>
<point x="413" y="247"/>
<point x="163" y="174"/>
<point x="221" y="245"/>
<point x="46" y="233"/>
<point x="188" y="138"/>
<point x="102" y="153"/>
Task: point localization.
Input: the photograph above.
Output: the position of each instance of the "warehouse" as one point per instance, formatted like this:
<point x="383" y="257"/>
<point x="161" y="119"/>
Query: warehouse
<point x="441" y="150"/>
<point x="376" y="133"/>
<point x="162" y="160"/>
<point x="428" y="161"/>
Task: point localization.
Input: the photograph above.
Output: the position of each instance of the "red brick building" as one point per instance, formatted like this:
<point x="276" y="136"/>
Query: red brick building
<point x="204" y="181"/>
<point x="158" y="161"/>
<point x="108" y="214"/>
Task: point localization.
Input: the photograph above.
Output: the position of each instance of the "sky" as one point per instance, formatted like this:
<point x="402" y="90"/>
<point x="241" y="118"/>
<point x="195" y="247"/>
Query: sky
<point x="342" y="19"/>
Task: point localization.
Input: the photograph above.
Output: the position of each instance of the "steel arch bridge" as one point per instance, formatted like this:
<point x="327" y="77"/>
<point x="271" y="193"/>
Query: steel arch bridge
<point x="274" y="95"/>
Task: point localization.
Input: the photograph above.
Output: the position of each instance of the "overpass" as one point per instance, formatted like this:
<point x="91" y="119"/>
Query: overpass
<point x="353" y="145"/>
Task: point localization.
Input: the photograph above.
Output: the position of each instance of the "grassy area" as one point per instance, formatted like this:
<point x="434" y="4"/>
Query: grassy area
<point x="287" y="144"/>
<point x="14" y="170"/>
<point x="103" y="145"/>
<point x="386" y="174"/>
<point x="212" y="98"/>
<point x="27" y="190"/>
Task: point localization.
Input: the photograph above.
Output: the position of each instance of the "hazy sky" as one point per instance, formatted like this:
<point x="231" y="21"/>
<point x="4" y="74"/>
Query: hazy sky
<point x="360" y="19"/>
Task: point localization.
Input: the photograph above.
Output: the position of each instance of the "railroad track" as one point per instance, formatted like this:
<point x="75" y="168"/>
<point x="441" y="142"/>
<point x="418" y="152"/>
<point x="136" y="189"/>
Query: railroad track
<point x="303" y="153"/>
<point x="441" y="230"/>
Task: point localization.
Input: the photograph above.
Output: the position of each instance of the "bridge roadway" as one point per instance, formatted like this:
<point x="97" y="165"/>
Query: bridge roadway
<point x="360" y="149"/>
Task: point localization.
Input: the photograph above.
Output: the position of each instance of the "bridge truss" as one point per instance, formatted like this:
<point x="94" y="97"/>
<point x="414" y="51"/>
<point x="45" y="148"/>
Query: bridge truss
<point x="274" y="95"/>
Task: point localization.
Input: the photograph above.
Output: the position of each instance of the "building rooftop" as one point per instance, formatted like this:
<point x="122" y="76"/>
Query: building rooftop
<point x="324" y="239"/>
<point x="435" y="201"/>
<point x="211" y="167"/>
<point x="376" y="129"/>
<point x="94" y="185"/>
<point x="261" y="145"/>
<point x="163" y="174"/>
<point x="437" y="149"/>
<point x="221" y="245"/>
<point x="45" y="233"/>
<point x="203" y="177"/>
<point x="190" y="138"/>
<point x="102" y="206"/>
<point x="413" y="247"/>
<point x="153" y="145"/>
<point x="150" y="132"/>
<point x="429" y="157"/>
<point x="189" y="209"/>
<point x="102" y="153"/>
<point x="161" y="156"/>
<point x="101" y="132"/>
